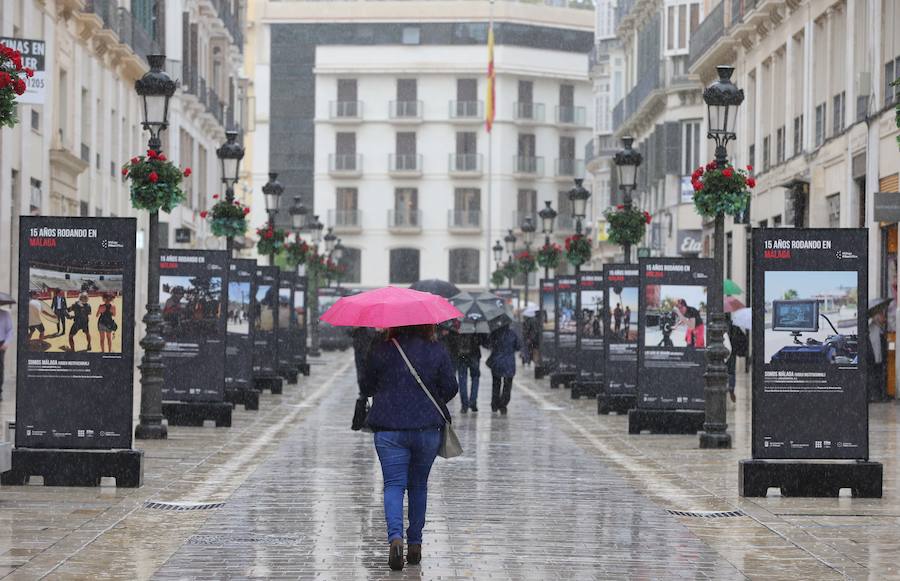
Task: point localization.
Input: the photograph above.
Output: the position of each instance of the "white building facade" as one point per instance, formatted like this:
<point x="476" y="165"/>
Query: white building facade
<point x="379" y="125"/>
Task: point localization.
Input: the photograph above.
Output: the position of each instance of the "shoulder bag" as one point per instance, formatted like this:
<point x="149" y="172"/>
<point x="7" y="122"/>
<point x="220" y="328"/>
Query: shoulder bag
<point x="450" y="446"/>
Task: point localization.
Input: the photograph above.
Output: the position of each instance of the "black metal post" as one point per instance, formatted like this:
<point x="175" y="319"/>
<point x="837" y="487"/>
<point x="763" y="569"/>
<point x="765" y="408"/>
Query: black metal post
<point x="509" y="278"/>
<point x="151" y="426"/>
<point x="527" y="250"/>
<point x="229" y="240"/>
<point x="628" y="204"/>
<point x="546" y="268"/>
<point x="715" y="427"/>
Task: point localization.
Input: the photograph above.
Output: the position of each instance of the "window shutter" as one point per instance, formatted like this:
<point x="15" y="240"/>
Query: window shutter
<point x="672" y="146"/>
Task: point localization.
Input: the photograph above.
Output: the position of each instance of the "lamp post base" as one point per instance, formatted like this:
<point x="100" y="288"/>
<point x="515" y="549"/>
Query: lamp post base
<point x="151" y="431"/>
<point x="713" y="440"/>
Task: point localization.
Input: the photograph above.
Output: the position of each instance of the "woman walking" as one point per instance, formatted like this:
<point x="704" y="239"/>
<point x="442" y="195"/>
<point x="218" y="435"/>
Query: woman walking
<point x="407" y="426"/>
<point x="106" y="322"/>
<point x="503" y="343"/>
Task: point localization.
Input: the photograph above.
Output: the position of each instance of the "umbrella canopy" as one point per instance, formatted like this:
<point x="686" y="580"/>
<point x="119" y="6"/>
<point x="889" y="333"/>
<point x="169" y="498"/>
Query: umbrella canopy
<point x="6" y="299"/>
<point x="482" y="313"/>
<point x="874" y="305"/>
<point x="435" y="286"/>
<point x="390" y="307"/>
<point x="729" y="287"/>
<point x="742" y="318"/>
<point x="732" y="304"/>
<point x="530" y="311"/>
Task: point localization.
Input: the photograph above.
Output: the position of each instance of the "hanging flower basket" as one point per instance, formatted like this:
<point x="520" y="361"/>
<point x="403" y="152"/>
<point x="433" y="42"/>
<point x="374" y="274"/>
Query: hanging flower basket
<point x="271" y="240"/>
<point x="335" y="271"/>
<point x="626" y="225"/>
<point x="155" y="182"/>
<point x="227" y="219"/>
<point x="12" y="83"/>
<point x="723" y="189"/>
<point x="498" y="277"/>
<point x="315" y="262"/>
<point x="525" y="262"/>
<point x="578" y="249"/>
<point x="296" y="252"/>
<point x="549" y="255"/>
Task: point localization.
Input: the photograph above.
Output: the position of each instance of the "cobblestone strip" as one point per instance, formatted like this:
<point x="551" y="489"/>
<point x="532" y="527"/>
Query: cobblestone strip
<point x="524" y="502"/>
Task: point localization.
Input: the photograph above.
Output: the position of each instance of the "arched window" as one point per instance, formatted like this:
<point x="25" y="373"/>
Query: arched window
<point x="464" y="266"/>
<point x="404" y="265"/>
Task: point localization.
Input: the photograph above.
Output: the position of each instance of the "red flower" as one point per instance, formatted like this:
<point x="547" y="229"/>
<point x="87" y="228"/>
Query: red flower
<point x="153" y="177"/>
<point x="215" y="196"/>
<point x="698" y="186"/>
<point x="20" y="87"/>
<point x="699" y="171"/>
<point x="161" y="157"/>
<point x="246" y="211"/>
<point x="124" y="171"/>
<point x="203" y="214"/>
<point x="29" y="72"/>
<point x="751" y="182"/>
<point x="187" y="172"/>
<point x="135" y="161"/>
<point x="728" y="172"/>
<point x="749" y="168"/>
<point x="711" y="166"/>
<point x="236" y="203"/>
<point x="152" y="154"/>
<point x="4" y="79"/>
<point x="620" y="207"/>
<point x="268" y="234"/>
<point x="647" y="217"/>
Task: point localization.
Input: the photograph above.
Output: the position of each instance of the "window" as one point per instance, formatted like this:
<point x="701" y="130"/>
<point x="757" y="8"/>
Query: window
<point x="820" y="124"/>
<point x="526" y="203"/>
<point x="566" y="103"/>
<point x="763" y="223"/>
<point x="779" y="145"/>
<point x="405" y="159"/>
<point x="691" y="140"/>
<point x="407" y="104"/>
<point x="891" y="72"/>
<point x="776" y="221"/>
<point x="411" y="35"/>
<point x="347" y="99"/>
<point x="352" y="263"/>
<point x="404" y="267"/>
<point x="345" y="144"/>
<point x="526" y="92"/>
<point x="406" y="207"/>
<point x="751" y="154"/>
<point x="36" y="196"/>
<point x="682" y="20"/>
<point x="526" y="145"/>
<point x="834" y="210"/>
<point x="466" y="90"/>
<point x="765" y="153"/>
<point x="346" y="202"/>
<point x="464" y="266"/>
<point x="84" y="209"/>
<point x="839" y="104"/>
<point x="798" y="134"/>
<point x="35" y="119"/>
<point x="566" y="156"/>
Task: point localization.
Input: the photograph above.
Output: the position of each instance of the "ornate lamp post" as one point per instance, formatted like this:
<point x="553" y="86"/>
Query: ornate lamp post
<point x="155" y="89"/>
<point x="298" y="214"/>
<point x="272" y="193"/>
<point x="579" y="197"/>
<point x="497" y="249"/>
<point x="548" y="216"/>
<point x="722" y="100"/>
<point x="510" y="241"/>
<point x="315" y="227"/>
<point x="627" y="161"/>
<point x="528" y="229"/>
<point x="230" y="155"/>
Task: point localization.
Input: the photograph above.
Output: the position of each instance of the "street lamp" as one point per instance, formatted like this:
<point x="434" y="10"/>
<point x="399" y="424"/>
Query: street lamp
<point x="722" y="100"/>
<point x="579" y="197"/>
<point x="330" y="240"/>
<point x="337" y="253"/>
<point x="272" y="191"/>
<point x="528" y="229"/>
<point x="155" y="89"/>
<point x="298" y="216"/>
<point x="510" y="241"/>
<point x="627" y="161"/>
<point x="548" y="216"/>
<point x="315" y="227"/>
<point x="498" y="252"/>
<point x="230" y="155"/>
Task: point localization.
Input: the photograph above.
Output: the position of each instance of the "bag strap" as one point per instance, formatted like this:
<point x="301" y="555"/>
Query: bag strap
<point x="419" y="379"/>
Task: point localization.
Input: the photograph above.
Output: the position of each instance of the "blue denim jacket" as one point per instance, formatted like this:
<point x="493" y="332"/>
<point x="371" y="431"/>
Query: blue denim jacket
<point x="399" y="403"/>
<point x="503" y="343"/>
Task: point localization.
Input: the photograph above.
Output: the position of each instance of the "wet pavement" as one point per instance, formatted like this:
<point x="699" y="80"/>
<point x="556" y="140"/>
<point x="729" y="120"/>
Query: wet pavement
<point x="550" y="491"/>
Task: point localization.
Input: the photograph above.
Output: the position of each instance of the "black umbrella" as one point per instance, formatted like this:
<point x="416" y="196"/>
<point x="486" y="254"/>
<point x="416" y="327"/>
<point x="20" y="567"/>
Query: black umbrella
<point x="483" y="313"/>
<point x="435" y="286"/>
<point x="6" y="299"/>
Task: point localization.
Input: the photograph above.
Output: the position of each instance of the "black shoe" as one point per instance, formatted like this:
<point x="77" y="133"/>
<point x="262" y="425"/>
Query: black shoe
<point x="474" y="408"/>
<point x="503" y="411"/>
<point x="414" y="554"/>
<point x="395" y="557"/>
<point x="463" y="409"/>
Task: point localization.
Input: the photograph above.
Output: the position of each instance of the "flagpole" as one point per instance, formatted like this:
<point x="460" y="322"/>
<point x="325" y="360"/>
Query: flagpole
<point x="490" y="185"/>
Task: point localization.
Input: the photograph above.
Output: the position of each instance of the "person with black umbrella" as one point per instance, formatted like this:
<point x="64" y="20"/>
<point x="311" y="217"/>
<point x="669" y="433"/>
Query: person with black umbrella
<point x="504" y="343"/>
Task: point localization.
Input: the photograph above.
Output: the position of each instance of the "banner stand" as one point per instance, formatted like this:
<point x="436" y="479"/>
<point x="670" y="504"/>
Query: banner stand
<point x="287" y="328"/>
<point x="547" y="313"/>
<point x="195" y="413"/>
<point x="589" y="335"/>
<point x="239" y="388"/>
<point x="299" y="332"/>
<point x="810" y="345"/>
<point x="265" y="346"/>
<point x="74" y="390"/>
<point x="671" y="345"/>
<point x="564" y="332"/>
<point x="618" y="393"/>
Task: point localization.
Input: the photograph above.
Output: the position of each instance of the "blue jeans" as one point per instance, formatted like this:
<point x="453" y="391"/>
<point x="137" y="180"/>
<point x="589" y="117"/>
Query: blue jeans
<point x="465" y="368"/>
<point x="406" y="458"/>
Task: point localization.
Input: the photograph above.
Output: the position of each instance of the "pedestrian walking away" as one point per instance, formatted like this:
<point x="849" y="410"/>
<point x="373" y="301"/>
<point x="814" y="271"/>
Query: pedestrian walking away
<point x="468" y="366"/>
<point x="503" y="343"/>
<point x="407" y="426"/>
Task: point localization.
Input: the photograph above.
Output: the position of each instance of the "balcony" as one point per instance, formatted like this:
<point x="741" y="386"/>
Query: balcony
<point x="528" y="166"/>
<point x="85" y="153"/>
<point x="640" y="97"/>
<point x="465" y="164"/>
<point x="464" y="221"/>
<point x="345" y="111"/>
<point x="231" y="20"/>
<point x="567" y="168"/>
<point x="345" y="165"/>
<point x="405" y="221"/>
<point x="345" y="221"/>
<point x="599" y="147"/>
<point x="405" y="165"/>
<point x="466" y="110"/>
<point x="406" y="111"/>
<point x="570" y="115"/>
<point x="706" y="49"/>
<point x="123" y="23"/>
<point x="528" y="113"/>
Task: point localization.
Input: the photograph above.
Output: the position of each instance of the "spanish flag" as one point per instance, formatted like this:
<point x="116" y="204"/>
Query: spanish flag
<point x="489" y="116"/>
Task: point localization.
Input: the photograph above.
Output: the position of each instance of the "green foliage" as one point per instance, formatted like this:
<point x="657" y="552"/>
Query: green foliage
<point x="578" y="250"/>
<point x="549" y="256"/>
<point x="155" y="182"/>
<point x="721" y="189"/>
<point x="271" y="240"/>
<point x="525" y="263"/>
<point x="626" y="225"/>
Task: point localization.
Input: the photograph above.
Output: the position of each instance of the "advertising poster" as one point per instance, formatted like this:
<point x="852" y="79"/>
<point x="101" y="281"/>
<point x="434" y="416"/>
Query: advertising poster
<point x="621" y="282"/>
<point x="672" y="333"/>
<point x="566" y="287"/>
<point x="192" y="297"/>
<point x="287" y="321"/>
<point x="809" y="344"/>
<point x="239" y="336"/>
<point x="548" y="321"/>
<point x="265" y="348"/>
<point x="75" y="357"/>
<point x="300" y="317"/>
<point x="590" y="327"/>
<point x="33" y="57"/>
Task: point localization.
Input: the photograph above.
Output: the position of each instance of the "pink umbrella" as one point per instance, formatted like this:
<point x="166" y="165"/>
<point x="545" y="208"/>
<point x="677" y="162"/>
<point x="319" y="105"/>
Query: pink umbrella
<point x="732" y="304"/>
<point x="390" y="307"/>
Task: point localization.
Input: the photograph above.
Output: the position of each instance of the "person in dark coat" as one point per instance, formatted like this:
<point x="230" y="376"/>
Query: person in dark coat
<point x="876" y="355"/>
<point x="407" y="426"/>
<point x="532" y="331"/>
<point x="468" y="364"/>
<point x="363" y="338"/>
<point x="503" y="343"/>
